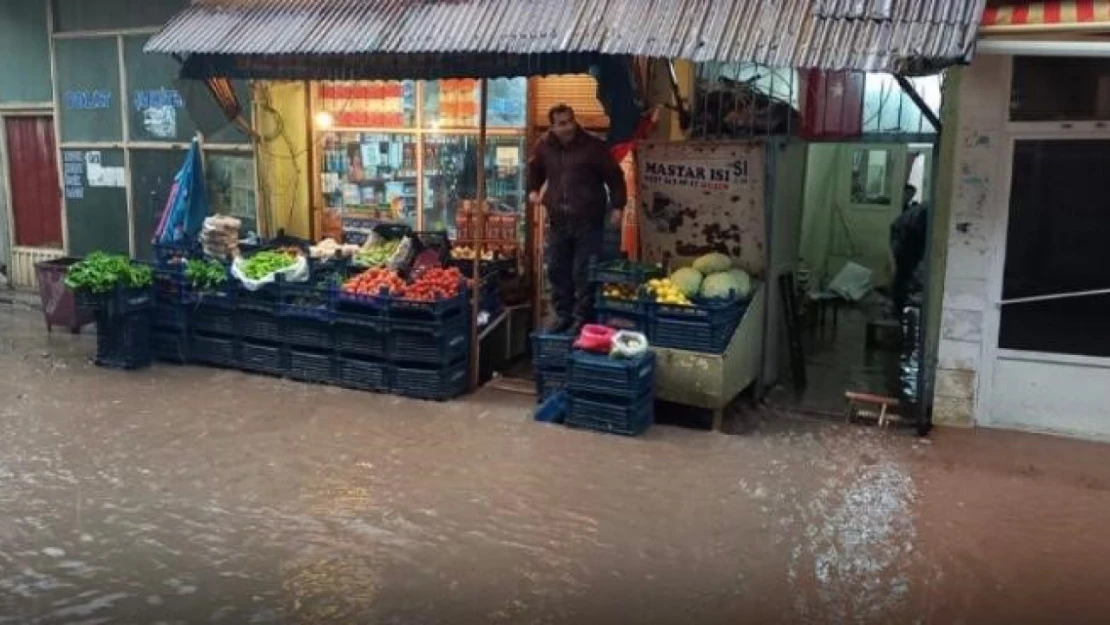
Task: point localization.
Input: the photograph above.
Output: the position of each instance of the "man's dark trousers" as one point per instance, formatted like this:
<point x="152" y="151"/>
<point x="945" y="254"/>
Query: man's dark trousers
<point x="569" y="250"/>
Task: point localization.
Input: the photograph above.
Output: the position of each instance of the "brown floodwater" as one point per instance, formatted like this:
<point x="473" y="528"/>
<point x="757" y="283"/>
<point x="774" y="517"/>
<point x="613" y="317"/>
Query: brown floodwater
<point x="191" y="495"/>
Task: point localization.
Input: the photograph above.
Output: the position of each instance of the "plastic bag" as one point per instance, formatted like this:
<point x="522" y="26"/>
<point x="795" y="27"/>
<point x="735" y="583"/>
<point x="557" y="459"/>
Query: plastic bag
<point x="595" y="338"/>
<point x="853" y="283"/>
<point x="297" y="272"/>
<point x="628" y="344"/>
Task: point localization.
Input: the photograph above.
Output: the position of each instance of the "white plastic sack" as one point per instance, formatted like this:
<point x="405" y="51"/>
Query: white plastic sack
<point x="297" y="272"/>
<point x="853" y="283"/>
<point x="628" y="344"/>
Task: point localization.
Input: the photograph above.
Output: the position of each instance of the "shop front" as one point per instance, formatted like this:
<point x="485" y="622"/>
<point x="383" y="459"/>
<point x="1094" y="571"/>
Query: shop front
<point x="407" y="130"/>
<point x="1023" y="344"/>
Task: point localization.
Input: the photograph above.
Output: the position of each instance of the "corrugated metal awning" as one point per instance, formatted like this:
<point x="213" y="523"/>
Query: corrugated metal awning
<point x="1052" y="16"/>
<point x="903" y="36"/>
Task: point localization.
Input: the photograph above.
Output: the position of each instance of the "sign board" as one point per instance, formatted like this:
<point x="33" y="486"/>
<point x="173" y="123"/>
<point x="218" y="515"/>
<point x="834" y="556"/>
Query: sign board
<point x="701" y="197"/>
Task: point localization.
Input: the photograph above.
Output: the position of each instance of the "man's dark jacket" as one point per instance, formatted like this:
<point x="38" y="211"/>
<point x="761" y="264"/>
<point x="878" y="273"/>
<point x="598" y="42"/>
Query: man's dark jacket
<point x="577" y="175"/>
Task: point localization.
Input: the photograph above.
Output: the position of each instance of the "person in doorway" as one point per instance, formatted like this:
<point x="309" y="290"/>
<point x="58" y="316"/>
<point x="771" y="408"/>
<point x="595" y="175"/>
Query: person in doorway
<point x="908" y="234"/>
<point x="585" y="187"/>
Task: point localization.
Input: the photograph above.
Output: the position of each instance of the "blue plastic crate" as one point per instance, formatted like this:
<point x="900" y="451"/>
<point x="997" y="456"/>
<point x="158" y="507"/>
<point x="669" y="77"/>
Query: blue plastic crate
<point x="124" y="301"/>
<point x="614" y="272"/>
<point x="428" y="342"/>
<point x="549" y="381"/>
<point x="710" y="337"/>
<point x="123" y="340"/>
<point x="437" y="310"/>
<point x="353" y="305"/>
<point x="261" y="358"/>
<point x="623" y="316"/>
<point x="700" y="309"/>
<point x="308" y="333"/>
<point x="366" y="375"/>
<point x="309" y="301"/>
<point x="169" y="346"/>
<point x="366" y="337"/>
<point x="605" y="376"/>
<point x="550" y="351"/>
<point x="311" y="366"/>
<point x="212" y="319"/>
<point x="624" y="418"/>
<point x="170" y="315"/>
<point x="431" y="383"/>
<point x="212" y="350"/>
<point x="259" y="326"/>
<point x="265" y="299"/>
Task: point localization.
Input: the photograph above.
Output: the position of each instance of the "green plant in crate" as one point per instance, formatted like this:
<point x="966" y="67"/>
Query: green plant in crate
<point x="205" y="275"/>
<point x="100" y="273"/>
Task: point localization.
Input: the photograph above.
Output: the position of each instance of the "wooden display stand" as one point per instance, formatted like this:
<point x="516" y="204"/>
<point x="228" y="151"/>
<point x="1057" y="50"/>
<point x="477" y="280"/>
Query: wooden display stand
<point x="713" y="381"/>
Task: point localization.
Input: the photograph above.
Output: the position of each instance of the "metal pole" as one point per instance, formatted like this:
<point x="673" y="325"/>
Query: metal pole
<point x="476" y="288"/>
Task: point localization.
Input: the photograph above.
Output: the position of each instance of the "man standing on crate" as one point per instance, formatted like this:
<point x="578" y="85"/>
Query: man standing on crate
<point x="585" y="187"/>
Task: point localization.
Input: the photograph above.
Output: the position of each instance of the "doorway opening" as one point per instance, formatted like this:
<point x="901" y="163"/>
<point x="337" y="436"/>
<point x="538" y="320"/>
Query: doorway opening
<point x="860" y="278"/>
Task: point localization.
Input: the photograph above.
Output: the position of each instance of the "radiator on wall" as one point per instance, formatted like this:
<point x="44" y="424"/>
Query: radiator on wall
<point x="23" y="264"/>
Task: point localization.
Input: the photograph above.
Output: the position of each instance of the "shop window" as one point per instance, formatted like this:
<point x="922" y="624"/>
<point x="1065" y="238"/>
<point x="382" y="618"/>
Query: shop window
<point x="24" y="36"/>
<point x="230" y="182"/>
<point x="373" y="175"/>
<point x="451" y="179"/>
<point x="1060" y="89"/>
<point x="88" y="83"/>
<point x="83" y="15"/>
<point x="1057" y="245"/>
<point x="156" y="110"/>
<point x="451" y="103"/>
<point x="887" y="108"/>
<point x="871" y="177"/>
<point x="96" y="201"/>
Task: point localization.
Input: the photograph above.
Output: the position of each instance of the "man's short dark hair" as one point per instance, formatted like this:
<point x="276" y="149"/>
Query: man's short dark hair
<point x="559" y="109"/>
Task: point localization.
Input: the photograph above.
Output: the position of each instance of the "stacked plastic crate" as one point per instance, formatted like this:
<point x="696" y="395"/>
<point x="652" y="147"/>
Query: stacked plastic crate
<point x="611" y="395"/>
<point x="550" y="353"/>
<point x="123" y="319"/>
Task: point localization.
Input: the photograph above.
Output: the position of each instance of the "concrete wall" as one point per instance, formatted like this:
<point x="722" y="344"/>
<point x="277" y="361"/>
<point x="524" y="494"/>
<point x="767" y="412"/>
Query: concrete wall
<point x="974" y="200"/>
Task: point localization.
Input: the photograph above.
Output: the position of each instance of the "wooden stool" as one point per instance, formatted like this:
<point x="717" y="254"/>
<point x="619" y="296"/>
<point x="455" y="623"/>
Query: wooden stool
<point x="870" y="406"/>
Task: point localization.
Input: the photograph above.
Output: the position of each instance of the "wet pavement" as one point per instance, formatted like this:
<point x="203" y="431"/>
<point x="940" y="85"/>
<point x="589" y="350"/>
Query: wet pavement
<point x="190" y="495"/>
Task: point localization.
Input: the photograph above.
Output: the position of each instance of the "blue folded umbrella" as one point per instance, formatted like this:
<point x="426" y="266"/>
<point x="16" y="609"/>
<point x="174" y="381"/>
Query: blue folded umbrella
<point x="188" y="204"/>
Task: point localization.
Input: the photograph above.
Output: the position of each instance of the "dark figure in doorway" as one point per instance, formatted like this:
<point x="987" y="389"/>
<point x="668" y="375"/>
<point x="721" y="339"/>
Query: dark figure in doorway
<point x="578" y="169"/>
<point x="907" y="242"/>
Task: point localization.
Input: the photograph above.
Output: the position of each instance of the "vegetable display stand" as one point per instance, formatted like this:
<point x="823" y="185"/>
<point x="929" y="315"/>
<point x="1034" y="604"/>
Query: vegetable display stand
<point x="212" y="350"/>
<point x="436" y="384"/>
<point x="704" y="326"/>
<point x="311" y="366"/>
<point x="437" y="311"/>
<point x="170" y="346"/>
<point x="626" y="379"/>
<point x="364" y="375"/>
<point x="262" y="358"/>
<point x="604" y="414"/>
<point x="713" y="381"/>
<point x="123" y="341"/>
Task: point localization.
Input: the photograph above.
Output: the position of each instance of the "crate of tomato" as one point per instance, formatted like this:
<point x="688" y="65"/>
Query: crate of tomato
<point x="433" y="293"/>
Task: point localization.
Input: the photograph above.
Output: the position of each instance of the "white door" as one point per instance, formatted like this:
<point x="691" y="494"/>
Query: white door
<point x="1047" y="328"/>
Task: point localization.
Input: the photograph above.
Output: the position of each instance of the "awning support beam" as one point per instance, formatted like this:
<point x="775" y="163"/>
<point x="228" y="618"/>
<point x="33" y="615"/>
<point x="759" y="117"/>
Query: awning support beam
<point x="927" y="112"/>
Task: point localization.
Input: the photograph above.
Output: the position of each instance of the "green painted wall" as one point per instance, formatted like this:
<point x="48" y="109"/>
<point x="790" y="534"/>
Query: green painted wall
<point x="24" y="52"/>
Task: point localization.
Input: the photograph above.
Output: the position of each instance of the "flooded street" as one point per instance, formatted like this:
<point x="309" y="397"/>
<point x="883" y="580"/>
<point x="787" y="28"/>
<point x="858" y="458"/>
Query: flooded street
<point x="192" y="495"/>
